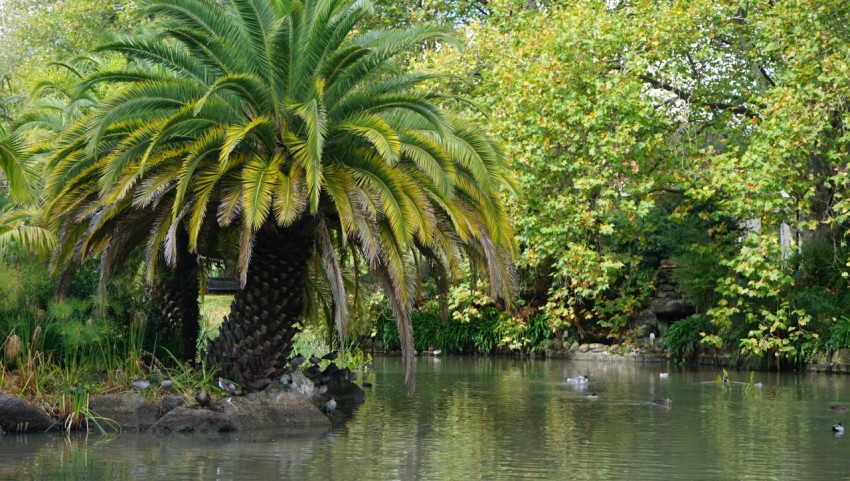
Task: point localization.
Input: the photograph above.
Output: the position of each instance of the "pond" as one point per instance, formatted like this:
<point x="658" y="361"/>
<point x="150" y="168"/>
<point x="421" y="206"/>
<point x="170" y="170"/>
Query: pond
<point x="502" y="419"/>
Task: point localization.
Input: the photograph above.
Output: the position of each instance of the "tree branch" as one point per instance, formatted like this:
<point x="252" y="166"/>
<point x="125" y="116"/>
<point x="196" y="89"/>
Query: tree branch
<point x="686" y="96"/>
<point x="766" y="76"/>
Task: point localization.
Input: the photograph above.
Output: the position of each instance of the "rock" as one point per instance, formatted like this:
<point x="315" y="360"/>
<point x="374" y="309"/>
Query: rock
<point x="275" y="407"/>
<point x="574" y="347"/>
<point x="584" y="348"/>
<point x="130" y="411"/>
<point x="298" y="383"/>
<point x="347" y="394"/>
<point x="667" y="264"/>
<point x="842" y="357"/>
<point x="667" y="293"/>
<point x="170" y="402"/>
<point x="647" y="322"/>
<point x="671" y="309"/>
<point x="187" y="420"/>
<point x="19" y="416"/>
<point x="597" y="347"/>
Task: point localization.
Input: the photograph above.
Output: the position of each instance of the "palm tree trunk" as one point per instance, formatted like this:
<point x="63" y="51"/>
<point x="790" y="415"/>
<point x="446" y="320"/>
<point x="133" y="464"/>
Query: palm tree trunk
<point x="175" y="303"/>
<point x="186" y="273"/>
<point x="256" y="338"/>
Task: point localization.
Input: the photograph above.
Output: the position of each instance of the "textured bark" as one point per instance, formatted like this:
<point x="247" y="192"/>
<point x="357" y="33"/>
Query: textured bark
<point x="175" y="302"/>
<point x="256" y="338"/>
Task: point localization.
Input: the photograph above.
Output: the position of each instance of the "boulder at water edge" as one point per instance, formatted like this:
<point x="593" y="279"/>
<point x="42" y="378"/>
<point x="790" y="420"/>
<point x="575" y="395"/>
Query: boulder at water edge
<point x="19" y="416"/>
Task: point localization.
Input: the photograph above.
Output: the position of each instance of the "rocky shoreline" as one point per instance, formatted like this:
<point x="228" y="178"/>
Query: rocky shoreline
<point x="298" y="405"/>
<point x="289" y="408"/>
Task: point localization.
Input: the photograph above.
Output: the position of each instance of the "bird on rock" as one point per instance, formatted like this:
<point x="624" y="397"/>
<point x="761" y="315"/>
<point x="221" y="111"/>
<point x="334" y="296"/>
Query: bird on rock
<point x="331" y="369"/>
<point x="329" y="406"/>
<point x="228" y="387"/>
<point x="203" y="398"/>
<point x="297" y="361"/>
<point x="140" y="384"/>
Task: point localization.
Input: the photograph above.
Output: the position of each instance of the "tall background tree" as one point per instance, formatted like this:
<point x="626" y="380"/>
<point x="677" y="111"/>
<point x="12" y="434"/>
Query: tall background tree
<point x="710" y="132"/>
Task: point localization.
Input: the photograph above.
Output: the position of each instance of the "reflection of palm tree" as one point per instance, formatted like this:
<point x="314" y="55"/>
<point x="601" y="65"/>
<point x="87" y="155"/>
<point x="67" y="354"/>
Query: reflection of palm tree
<point x="275" y="121"/>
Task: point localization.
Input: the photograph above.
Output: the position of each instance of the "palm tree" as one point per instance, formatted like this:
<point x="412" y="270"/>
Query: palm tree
<point x="12" y="155"/>
<point x="12" y="150"/>
<point x="22" y="234"/>
<point x="21" y="229"/>
<point x="58" y="109"/>
<point x="280" y="121"/>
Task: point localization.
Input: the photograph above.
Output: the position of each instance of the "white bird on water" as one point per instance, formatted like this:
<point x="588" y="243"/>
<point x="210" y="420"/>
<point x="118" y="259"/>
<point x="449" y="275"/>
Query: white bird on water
<point x="578" y="380"/>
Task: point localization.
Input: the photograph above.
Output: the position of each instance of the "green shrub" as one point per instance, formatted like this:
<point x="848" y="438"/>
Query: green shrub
<point x="839" y="334"/>
<point x="683" y="337"/>
<point x="386" y="331"/>
<point x="426" y="330"/>
<point x="488" y="335"/>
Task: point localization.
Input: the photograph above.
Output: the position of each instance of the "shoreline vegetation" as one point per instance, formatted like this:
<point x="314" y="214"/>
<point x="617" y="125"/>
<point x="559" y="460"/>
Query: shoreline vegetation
<point x="640" y="175"/>
<point x="63" y="390"/>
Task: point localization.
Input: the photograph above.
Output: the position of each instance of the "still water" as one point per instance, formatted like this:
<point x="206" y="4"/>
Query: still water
<point x="502" y="419"/>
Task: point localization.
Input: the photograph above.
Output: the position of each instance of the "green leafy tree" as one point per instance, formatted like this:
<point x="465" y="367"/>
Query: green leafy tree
<point x="35" y="33"/>
<point x="733" y="112"/>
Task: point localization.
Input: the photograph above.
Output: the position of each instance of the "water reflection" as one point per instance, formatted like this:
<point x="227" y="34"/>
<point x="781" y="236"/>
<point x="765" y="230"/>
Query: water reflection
<point x="494" y="419"/>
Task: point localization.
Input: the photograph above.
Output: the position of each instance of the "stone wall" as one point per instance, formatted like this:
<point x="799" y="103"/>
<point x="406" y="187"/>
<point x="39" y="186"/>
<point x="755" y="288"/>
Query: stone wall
<point x="667" y="306"/>
<point x="604" y="352"/>
<point x="831" y="361"/>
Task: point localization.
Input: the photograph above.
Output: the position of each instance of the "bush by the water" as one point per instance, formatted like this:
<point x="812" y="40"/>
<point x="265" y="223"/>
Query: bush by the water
<point x="683" y="337"/>
<point x="491" y="330"/>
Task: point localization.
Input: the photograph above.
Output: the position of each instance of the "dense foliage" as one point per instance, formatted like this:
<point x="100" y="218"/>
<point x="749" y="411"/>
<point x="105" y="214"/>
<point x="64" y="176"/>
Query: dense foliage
<point x="710" y="133"/>
<point x="625" y="117"/>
